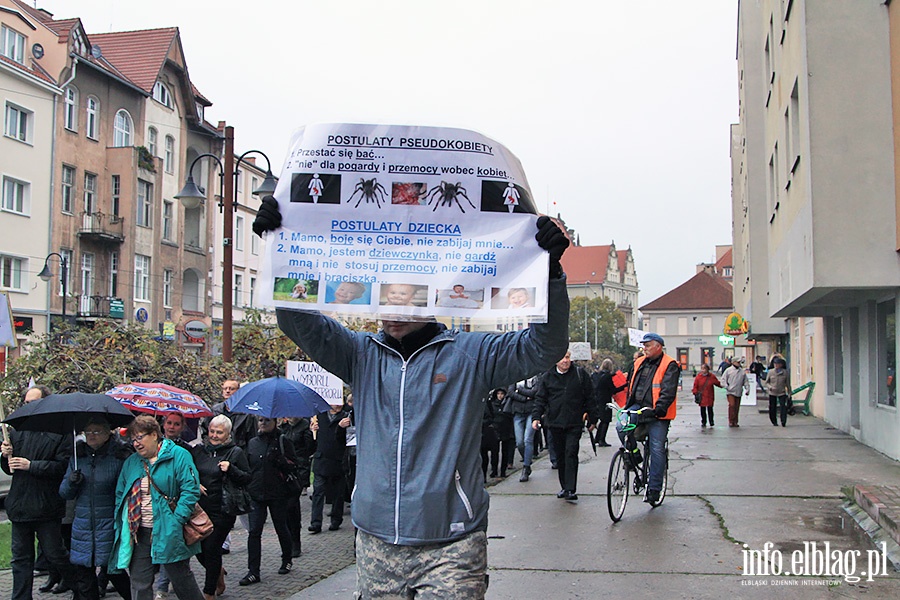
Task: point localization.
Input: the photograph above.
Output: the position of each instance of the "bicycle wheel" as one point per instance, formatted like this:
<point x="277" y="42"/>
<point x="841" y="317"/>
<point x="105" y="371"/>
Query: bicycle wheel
<point x="665" y="481"/>
<point x="617" y="486"/>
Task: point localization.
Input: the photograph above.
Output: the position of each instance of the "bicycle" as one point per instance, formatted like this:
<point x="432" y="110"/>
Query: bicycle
<point x="626" y="477"/>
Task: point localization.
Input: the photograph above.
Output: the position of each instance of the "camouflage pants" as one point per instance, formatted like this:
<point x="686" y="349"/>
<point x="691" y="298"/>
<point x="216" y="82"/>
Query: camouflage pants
<point x="450" y="570"/>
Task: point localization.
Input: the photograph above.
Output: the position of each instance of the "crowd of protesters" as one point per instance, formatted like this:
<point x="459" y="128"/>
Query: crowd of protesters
<point x="129" y="492"/>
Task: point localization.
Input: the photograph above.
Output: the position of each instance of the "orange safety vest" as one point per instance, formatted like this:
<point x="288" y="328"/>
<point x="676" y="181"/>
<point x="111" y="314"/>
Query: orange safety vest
<point x="656" y="384"/>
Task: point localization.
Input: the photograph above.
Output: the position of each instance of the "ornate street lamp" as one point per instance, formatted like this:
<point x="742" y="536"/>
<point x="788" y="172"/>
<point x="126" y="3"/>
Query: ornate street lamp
<point x="46" y="275"/>
<point x="191" y="197"/>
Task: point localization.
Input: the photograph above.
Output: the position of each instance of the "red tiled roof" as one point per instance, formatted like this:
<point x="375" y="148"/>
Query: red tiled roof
<point x="38" y="73"/>
<point x="623" y="260"/>
<point x="585" y="263"/>
<point x="139" y="55"/>
<point x="702" y="291"/>
<point x="727" y="260"/>
<point x="198" y="96"/>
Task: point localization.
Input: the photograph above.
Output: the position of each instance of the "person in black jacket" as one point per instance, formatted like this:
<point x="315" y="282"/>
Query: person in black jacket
<point x="224" y="472"/>
<point x="297" y="430"/>
<point x="272" y="459"/>
<point x="37" y="462"/>
<point x="490" y="441"/>
<point x="565" y="395"/>
<point x="604" y="388"/>
<point x="330" y="429"/>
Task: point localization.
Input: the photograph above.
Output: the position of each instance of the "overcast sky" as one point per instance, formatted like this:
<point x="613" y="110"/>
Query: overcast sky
<point x="619" y="111"/>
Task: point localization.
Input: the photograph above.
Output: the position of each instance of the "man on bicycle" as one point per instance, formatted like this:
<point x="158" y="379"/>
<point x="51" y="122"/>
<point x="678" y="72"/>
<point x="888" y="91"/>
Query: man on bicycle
<point x="653" y="384"/>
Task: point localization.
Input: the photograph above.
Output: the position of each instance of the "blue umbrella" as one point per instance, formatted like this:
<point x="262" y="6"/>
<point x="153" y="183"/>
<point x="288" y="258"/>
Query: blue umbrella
<point x="277" y="397"/>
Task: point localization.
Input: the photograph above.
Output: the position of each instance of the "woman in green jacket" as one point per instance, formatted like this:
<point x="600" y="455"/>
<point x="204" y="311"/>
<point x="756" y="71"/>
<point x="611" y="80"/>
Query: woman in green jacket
<point x="148" y="531"/>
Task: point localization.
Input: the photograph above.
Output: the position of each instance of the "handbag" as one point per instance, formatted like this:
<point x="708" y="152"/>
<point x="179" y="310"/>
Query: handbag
<point x="291" y="479"/>
<point x="697" y="397"/>
<point x="198" y="526"/>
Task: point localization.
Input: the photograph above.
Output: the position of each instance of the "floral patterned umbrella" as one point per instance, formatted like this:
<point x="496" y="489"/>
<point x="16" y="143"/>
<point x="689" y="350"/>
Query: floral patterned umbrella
<point x="158" y="398"/>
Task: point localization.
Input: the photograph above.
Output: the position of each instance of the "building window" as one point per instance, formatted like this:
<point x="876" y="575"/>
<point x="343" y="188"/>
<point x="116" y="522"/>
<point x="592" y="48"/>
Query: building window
<point x="116" y="188"/>
<point x="170" y="154"/>
<point x="18" y="123"/>
<point x="706" y="324"/>
<point x="167" y="288"/>
<point x="252" y="291"/>
<point x="151" y="140"/>
<point x="68" y="188"/>
<point x="682" y="326"/>
<point x="70" y="116"/>
<point x="15" y="196"/>
<point x="239" y="233"/>
<point x="660" y="326"/>
<point x="90" y="192"/>
<point x="254" y="245"/>
<point x="141" y="278"/>
<point x="113" y="273"/>
<point x="167" y="220"/>
<point x="122" y="129"/>
<point x="886" y="337"/>
<point x="12" y="44"/>
<point x="90" y="124"/>
<point x="161" y="94"/>
<point x="87" y="280"/>
<point x="11" y="269"/>
<point x="238" y="291"/>
<point x="144" y="203"/>
<point x="69" y="256"/>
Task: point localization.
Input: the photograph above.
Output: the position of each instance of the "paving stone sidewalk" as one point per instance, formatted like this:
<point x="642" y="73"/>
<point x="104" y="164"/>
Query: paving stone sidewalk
<point x="323" y="555"/>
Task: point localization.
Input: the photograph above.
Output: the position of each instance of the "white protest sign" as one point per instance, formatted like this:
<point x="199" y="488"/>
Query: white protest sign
<point x="580" y="350"/>
<point x="7" y="325"/>
<point x="310" y="374"/>
<point x="404" y="221"/>
<point x="635" y="336"/>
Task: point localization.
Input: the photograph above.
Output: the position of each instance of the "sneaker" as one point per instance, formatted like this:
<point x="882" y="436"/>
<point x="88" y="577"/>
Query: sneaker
<point x="572" y="497"/>
<point x="652" y="496"/>
<point x="562" y="493"/>
<point x="553" y="465"/>
<point x="285" y="568"/>
<point x="526" y="473"/>
<point x="160" y="595"/>
<point x="249" y="579"/>
<point x="334" y="527"/>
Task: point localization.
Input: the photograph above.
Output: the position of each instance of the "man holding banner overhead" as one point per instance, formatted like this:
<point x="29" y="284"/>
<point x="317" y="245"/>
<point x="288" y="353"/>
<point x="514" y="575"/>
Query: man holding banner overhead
<point x="420" y="506"/>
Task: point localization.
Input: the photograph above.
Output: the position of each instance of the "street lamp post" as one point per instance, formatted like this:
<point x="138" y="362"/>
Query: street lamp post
<point x="585" y="309"/>
<point x="192" y="197"/>
<point x="46" y="275"/>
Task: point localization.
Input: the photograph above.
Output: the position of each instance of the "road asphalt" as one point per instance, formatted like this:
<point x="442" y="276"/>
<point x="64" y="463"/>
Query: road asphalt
<point x="732" y="491"/>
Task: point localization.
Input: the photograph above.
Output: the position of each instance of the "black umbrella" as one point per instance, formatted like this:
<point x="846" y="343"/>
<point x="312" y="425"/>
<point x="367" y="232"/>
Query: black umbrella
<point x="64" y="413"/>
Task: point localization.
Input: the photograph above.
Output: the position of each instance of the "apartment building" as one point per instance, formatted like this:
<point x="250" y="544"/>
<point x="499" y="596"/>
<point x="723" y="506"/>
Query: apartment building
<point x="127" y="125"/>
<point x="604" y="272"/>
<point x="29" y="95"/>
<point x="815" y="201"/>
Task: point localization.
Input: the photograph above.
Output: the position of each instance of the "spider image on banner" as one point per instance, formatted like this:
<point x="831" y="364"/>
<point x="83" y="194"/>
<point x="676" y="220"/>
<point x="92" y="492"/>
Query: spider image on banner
<point x="447" y="194"/>
<point x="370" y="190"/>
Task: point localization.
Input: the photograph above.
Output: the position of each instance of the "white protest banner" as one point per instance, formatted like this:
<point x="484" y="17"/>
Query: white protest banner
<point x="7" y="325"/>
<point x="635" y="336"/>
<point x="404" y="221"/>
<point x="580" y="350"/>
<point x="310" y="374"/>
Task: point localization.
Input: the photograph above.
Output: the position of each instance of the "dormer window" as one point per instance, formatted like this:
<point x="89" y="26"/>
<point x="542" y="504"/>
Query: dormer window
<point x="199" y="110"/>
<point x="161" y="94"/>
<point x="79" y="46"/>
<point x="12" y="44"/>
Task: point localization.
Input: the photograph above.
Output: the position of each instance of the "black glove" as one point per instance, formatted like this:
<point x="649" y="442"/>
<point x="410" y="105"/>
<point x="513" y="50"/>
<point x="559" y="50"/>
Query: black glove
<point x="552" y="239"/>
<point x="268" y="217"/>
<point x="76" y="477"/>
<point x="660" y="411"/>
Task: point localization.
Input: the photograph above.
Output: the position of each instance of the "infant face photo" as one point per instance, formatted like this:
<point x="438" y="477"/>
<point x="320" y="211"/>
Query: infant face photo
<point x="515" y="297"/>
<point x="348" y="292"/>
<point x="403" y="294"/>
<point x="296" y="290"/>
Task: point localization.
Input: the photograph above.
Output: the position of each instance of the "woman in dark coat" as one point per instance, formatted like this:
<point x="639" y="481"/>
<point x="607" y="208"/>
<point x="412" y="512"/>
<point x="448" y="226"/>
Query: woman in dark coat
<point x="506" y="431"/>
<point x="272" y="458"/>
<point x="490" y="442"/>
<point x="93" y="488"/>
<point x="604" y="388"/>
<point x="224" y="473"/>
